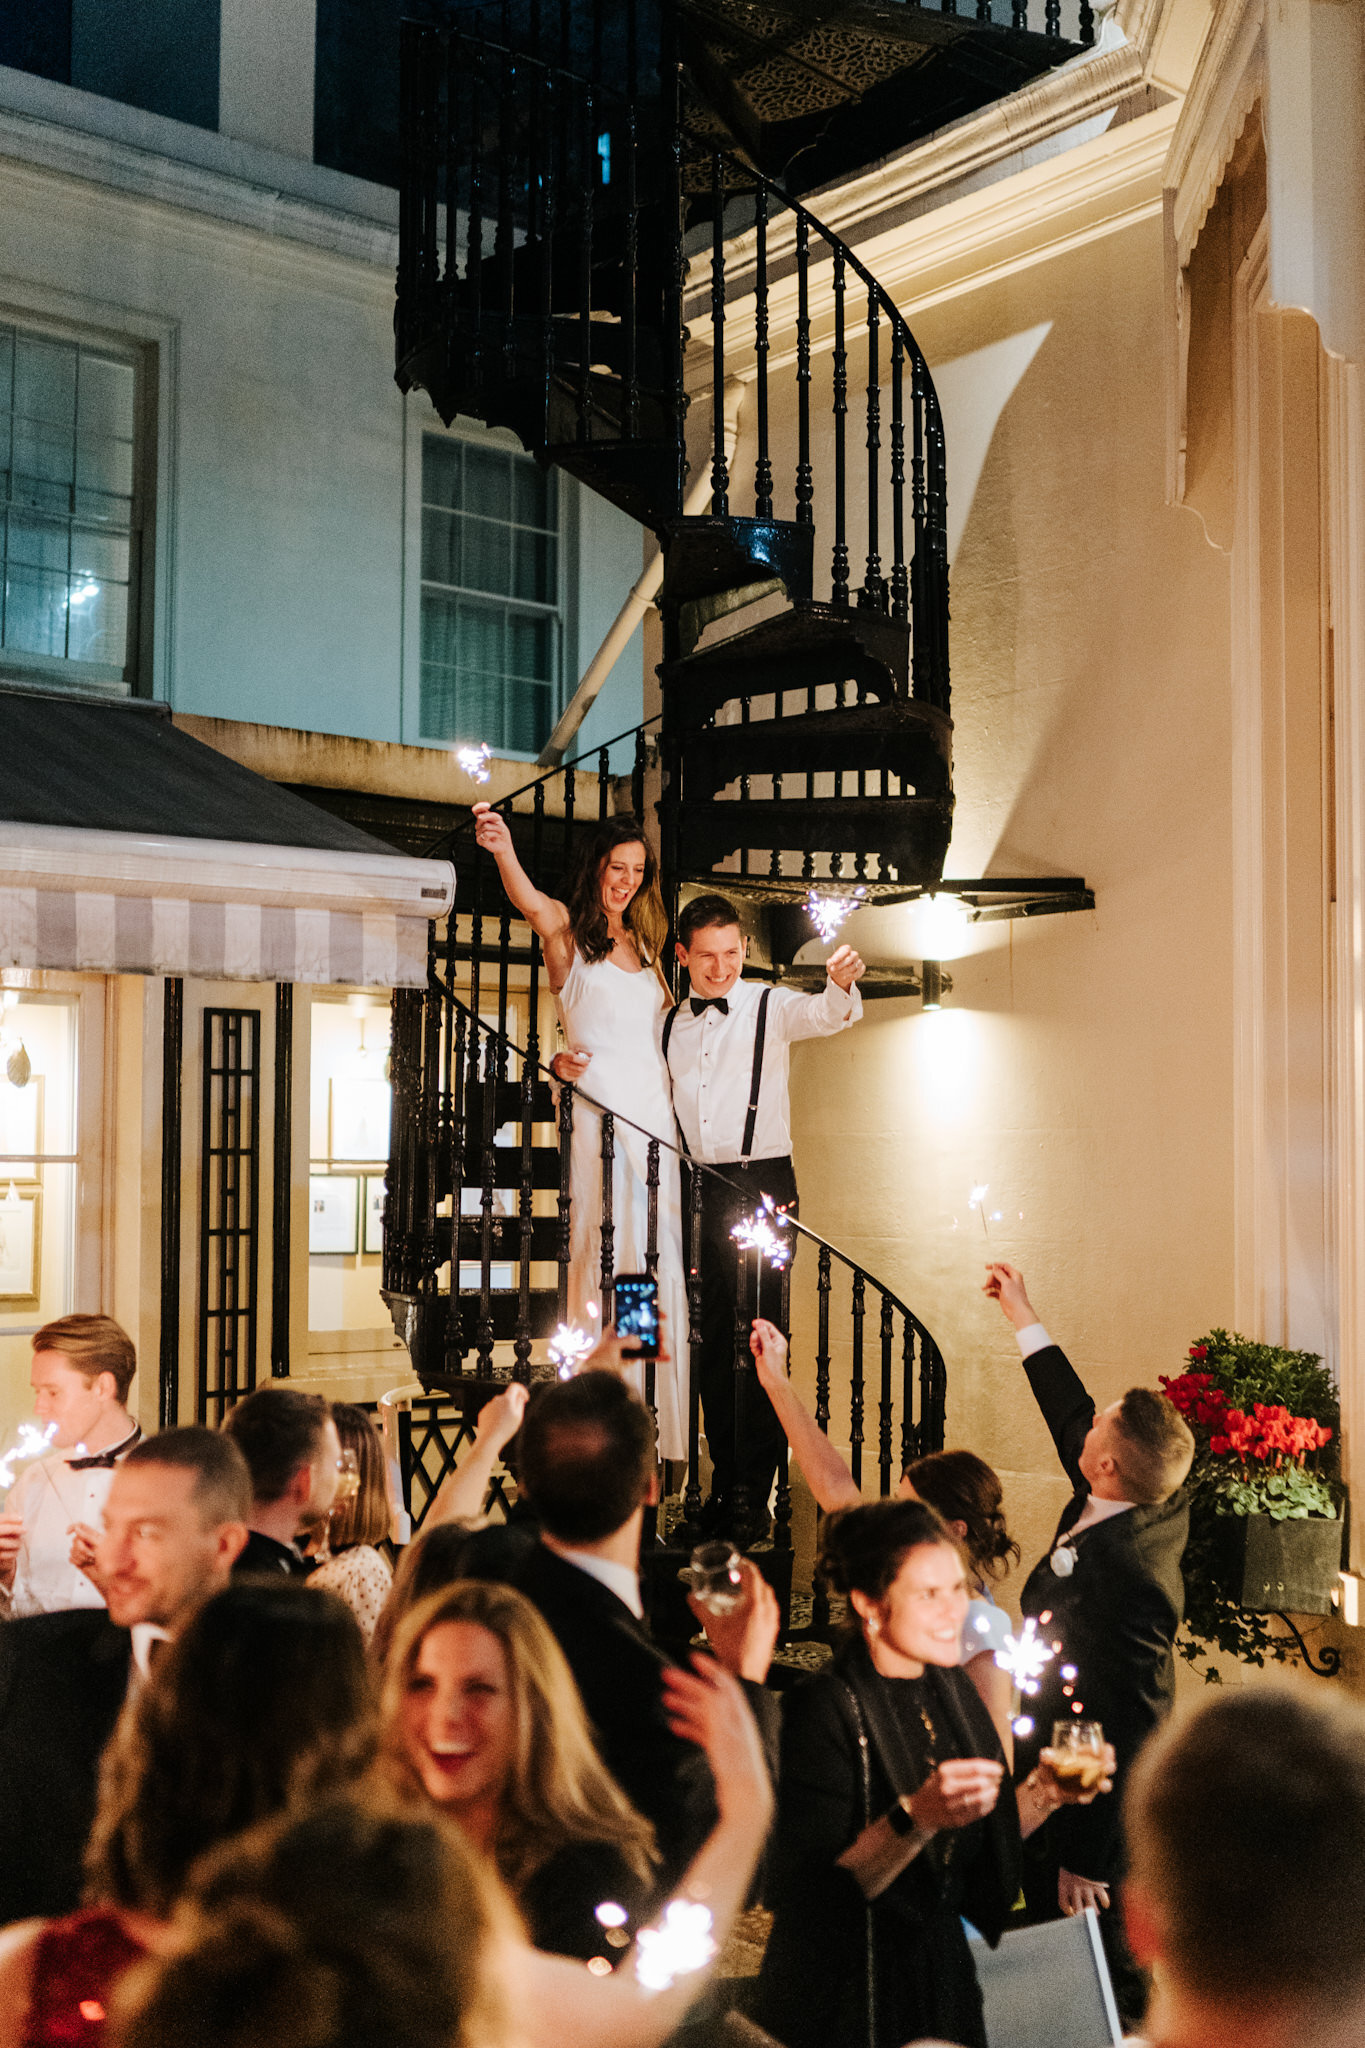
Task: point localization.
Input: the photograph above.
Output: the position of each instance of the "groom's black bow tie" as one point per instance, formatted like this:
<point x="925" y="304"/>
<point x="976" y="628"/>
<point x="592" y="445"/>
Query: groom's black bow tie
<point x="700" y="1003"/>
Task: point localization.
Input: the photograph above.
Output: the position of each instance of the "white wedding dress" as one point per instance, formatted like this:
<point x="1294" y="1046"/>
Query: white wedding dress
<point x="618" y="1018"/>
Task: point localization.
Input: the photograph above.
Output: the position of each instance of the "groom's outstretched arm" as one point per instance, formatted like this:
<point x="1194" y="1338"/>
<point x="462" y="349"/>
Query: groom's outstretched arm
<point x="1066" y="1407"/>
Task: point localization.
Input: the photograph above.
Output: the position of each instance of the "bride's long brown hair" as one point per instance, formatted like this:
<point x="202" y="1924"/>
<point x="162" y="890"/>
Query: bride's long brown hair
<point x="645" y="917"/>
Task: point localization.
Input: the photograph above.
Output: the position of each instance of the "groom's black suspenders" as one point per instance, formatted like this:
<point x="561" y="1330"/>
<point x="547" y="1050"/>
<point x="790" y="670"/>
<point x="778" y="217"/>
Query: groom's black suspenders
<point x="755" y="1079"/>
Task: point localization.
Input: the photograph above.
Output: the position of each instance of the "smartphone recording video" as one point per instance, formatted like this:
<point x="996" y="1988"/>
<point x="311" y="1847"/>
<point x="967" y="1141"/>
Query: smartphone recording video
<point x="636" y="1314"/>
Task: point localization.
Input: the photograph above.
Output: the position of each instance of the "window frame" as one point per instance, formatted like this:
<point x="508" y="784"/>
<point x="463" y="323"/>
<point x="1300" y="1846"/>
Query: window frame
<point x="419" y="421"/>
<point x="152" y="347"/>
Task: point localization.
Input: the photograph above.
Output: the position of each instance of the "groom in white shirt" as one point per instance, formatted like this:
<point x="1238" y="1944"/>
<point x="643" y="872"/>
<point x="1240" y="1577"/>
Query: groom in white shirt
<point x="727" y="1047"/>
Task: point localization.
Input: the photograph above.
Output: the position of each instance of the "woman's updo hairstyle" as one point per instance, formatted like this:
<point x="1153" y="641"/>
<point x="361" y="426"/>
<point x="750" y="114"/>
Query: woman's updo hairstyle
<point x="862" y="1549"/>
<point x="964" y="1489"/>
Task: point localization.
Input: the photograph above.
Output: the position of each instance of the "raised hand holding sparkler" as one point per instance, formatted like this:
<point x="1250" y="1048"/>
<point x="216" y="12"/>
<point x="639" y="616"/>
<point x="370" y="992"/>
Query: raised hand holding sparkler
<point x="829" y="913"/>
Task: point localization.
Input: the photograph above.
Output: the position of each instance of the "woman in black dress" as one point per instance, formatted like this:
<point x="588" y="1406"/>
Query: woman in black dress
<point x="896" y="1816"/>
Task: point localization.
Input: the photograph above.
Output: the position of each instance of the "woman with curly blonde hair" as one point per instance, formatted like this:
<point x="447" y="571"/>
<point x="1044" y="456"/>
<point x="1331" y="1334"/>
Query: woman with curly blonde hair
<point x="480" y="1711"/>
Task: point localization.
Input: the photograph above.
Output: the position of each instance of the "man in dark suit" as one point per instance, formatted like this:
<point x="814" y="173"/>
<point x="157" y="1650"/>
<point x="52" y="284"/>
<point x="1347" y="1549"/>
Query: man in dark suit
<point x="1110" y="1592"/>
<point x="586" y="1464"/>
<point x="174" y="1522"/>
<point x="293" y="1453"/>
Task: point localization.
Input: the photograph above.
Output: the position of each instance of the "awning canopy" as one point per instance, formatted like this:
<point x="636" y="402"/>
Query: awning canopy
<point x="127" y="847"/>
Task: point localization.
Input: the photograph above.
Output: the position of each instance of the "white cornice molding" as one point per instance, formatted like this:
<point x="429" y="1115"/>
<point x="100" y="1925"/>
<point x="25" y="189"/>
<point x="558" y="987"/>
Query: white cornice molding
<point x="1228" y="81"/>
<point x="266" y="243"/>
<point x="252" y="190"/>
<point x="1057" y="206"/>
<point x="904" y="185"/>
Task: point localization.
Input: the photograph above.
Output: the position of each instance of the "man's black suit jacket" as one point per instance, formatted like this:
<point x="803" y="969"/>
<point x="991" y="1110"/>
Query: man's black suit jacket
<point x="63" y="1679"/>
<point x="619" y="1672"/>
<point x="1116" y="1618"/>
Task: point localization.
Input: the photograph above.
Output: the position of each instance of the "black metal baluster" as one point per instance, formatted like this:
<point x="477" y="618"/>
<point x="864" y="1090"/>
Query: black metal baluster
<point x="763" y="468"/>
<point x="983" y="10"/>
<point x="822" y="1341"/>
<point x="476" y="933"/>
<point x="1020" y="12"/>
<point x="1087" y="22"/>
<point x="840" y="565"/>
<point x="607" y="1264"/>
<point x="521" y="1347"/>
<point x="630" y="314"/>
<point x="533" y="986"/>
<point x="900" y="581"/>
<point x="805" y="479"/>
<point x="911" y="1435"/>
<point x="855" y="1426"/>
<point x="921" y="572"/>
<point x="1052" y="18"/>
<point x="782" y="1505"/>
<point x="637" y="777"/>
<point x="566" y="1103"/>
<point x="588" y="195"/>
<point x="692" y="1495"/>
<point x="720" y="474"/>
<point x="873" y="592"/>
<point x="884" y="1431"/>
<point x="458" y="1134"/>
<point x="488" y="1105"/>
<point x="936" y="522"/>
<point x="603" y="783"/>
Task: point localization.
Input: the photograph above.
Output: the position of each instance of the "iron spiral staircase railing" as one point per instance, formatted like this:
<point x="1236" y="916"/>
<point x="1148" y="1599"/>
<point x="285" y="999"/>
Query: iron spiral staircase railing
<point x="581" y="185"/>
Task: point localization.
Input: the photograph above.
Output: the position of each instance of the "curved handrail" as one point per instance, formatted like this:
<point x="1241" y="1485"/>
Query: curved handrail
<point x="457" y="832"/>
<point x="576" y="1091"/>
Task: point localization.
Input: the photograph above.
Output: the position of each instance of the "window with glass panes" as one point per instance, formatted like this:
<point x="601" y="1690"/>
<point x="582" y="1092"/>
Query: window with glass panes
<point x="490" y="596"/>
<point x="68" y="538"/>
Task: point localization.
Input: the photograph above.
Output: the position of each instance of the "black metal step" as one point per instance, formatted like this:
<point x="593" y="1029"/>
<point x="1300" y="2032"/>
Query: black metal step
<point x="807" y="646"/>
<point x="505" y="1311"/>
<point x="910" y="834"/>
<point x="708" y="559"/>
<point x="507" y="1167"/>
<point x="507" y="1101"/>
<point x="910" y="741"/>
<point x="505" y="1239"/>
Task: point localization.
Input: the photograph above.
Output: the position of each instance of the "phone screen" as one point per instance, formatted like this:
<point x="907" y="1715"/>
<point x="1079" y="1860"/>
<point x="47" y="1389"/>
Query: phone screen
<point x="637" y="1312"/>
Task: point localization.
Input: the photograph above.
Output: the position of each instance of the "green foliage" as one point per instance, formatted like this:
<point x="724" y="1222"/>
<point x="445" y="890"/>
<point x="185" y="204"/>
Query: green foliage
<point x="1249" y="1374"/>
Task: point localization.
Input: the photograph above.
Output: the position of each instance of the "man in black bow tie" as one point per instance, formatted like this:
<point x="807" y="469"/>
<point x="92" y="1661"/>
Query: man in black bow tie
<point x="727" y="1048"/>
<point x="1110" y="1591"/>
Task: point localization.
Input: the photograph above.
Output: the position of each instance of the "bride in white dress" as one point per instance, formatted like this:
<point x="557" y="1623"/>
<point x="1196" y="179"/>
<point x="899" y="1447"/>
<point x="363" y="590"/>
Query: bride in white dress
<point x="602" y="950"/>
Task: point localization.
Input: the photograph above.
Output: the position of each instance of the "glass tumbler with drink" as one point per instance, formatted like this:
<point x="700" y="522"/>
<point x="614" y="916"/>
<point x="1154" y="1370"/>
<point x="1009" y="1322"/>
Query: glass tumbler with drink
<point x="1077" y="1755"/>
<point x="717" y="1577"/>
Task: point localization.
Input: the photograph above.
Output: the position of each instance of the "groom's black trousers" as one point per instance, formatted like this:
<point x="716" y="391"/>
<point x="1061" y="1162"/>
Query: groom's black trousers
<point x="743" y="1435"/>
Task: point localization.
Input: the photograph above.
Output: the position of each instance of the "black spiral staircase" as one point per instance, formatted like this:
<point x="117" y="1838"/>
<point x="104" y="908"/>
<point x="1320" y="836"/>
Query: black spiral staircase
<point x="587" y="186"/>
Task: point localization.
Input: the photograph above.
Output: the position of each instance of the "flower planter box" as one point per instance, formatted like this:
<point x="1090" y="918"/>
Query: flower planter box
<point x="1272" y="1567"/>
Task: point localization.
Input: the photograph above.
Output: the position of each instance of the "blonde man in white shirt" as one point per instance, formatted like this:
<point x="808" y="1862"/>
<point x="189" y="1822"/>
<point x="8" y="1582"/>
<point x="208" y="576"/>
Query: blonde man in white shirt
<point x="727" y="1047"/>
<point x="82" y="1371"/>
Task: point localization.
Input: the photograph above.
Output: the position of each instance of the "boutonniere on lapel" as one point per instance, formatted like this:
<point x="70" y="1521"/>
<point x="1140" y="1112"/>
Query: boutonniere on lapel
<point x="1063" y="1560"/>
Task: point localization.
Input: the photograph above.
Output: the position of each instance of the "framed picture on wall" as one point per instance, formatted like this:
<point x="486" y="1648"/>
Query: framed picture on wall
<point x="359" y="1119"/>
<point x="334" y="1214"/>
<point x="20" y="1248"/>
<point x="21" y="1129"/>
<point x="372" y="1237"/>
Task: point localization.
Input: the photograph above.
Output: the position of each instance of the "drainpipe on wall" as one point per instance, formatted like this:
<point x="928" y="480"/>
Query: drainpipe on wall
<point x="642" y="595"/>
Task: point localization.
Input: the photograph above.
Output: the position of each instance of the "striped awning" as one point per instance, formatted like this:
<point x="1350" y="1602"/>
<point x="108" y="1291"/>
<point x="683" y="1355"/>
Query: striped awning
<point x="110" y="903"/>
<point x="127" y="847"/>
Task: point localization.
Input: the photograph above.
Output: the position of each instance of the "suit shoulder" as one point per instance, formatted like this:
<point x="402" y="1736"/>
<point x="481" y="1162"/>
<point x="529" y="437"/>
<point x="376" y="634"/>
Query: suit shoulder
<point x="71" y="1632"/>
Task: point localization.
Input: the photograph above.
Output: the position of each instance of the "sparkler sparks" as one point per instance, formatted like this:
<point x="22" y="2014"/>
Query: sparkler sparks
<point x="33" y="1441"/>
<point x="681" y="1943"/>
<point x="568" y="1347"/>
<point x="1025" y="1657"/>
<point x="756" y="1234"/>
<point x="828" y="913"/>
<point x="474" y="760"/>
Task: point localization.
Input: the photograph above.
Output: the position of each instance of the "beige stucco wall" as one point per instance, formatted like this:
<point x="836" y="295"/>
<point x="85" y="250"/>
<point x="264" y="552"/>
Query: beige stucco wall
<point x="1082" y="1064"/>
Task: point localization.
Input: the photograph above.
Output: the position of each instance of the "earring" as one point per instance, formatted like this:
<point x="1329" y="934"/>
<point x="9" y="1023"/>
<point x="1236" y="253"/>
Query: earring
<point x="874" y="1627"/>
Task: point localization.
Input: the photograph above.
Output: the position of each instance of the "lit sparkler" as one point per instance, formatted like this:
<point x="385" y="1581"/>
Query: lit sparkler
<point x="568" y="1347"/>
<point x="474" y="760"/>
<point x="33" y="1441"/>
<point x="828" y="913"/>
<point x="1025" y="1657"/>
<point x="756" y="1234"/>
<point x="679" y="1944"/>
<point x="976" y="1199"/>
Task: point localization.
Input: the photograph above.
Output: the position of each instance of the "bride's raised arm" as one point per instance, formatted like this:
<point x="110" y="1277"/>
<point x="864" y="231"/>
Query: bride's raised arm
<point x="546" y="915"/>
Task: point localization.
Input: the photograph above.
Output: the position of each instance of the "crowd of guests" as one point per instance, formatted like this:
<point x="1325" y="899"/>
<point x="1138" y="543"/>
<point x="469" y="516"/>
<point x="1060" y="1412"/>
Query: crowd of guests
<point x="257" y="1787"/>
